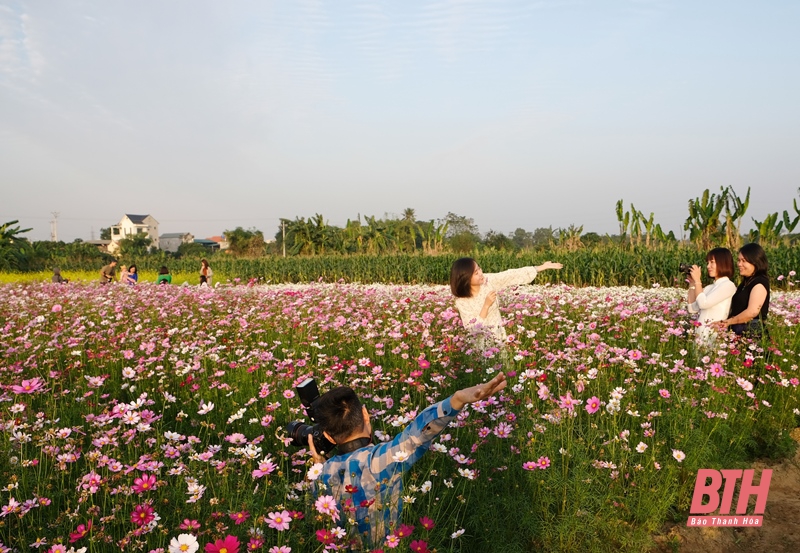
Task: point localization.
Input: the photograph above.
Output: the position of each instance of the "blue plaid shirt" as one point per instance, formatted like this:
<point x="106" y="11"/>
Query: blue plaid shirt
<point x="375" y="473"/>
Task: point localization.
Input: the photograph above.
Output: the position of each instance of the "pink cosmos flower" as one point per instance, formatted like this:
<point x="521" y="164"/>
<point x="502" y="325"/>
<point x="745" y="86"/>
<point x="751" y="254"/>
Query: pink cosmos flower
<point x="189" y="524"/>
<point x="392" y="541"/>
<point x="144" y="483"/>
<point x="239" y="517"/>
<point x="28" y="386"/>
<point x="326" y="505"/>
<point x="592" y="405"/>
<point x="664" y="393"/>
<point x="281" y="549"/>
<point x="255" y="544"/>
<point x="56" y="308"/>
<point x="143" y="514"/>
<point x="265" y="467"/>
<point x="279" y="520"/>
<point x="567" y="402"/>
<point x="229" y="545"/>
<point x="530" y="465"/>
<point x="543" y="462"/>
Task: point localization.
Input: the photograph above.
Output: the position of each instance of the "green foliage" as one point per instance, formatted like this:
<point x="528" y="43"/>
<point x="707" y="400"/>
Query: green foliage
<point x="14" y="249"/>
<point x="137" y="245"/>
<point x="249" y="243"/>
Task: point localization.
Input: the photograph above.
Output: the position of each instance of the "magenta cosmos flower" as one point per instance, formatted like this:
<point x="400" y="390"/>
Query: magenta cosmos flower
<point x="144" y="483"/>
<point x="142" y="514"/>
<point x="229" y="545"/>
<point x="592" y="405"/>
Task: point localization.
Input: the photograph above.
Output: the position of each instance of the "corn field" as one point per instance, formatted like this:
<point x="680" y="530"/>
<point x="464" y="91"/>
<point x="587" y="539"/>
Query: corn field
<point x="606" y="266"/>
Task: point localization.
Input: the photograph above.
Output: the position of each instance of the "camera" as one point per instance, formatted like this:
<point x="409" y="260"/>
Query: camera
<point x="308" y="393"/>
<point x="685" y="268"/>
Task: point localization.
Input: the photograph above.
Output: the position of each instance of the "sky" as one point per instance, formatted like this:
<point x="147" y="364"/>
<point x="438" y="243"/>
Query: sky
<point x="212" y="115"/>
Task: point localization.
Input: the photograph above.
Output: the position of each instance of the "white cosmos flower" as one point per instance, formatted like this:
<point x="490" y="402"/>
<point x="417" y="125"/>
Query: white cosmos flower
<point x="184" y="543"/>
<point x="314" y="471"/>
<point x="205" y="407"/>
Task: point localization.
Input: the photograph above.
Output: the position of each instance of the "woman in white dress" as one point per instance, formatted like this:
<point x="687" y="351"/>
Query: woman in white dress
<point x="714" y="301"/>
<point x="476" y="293"/>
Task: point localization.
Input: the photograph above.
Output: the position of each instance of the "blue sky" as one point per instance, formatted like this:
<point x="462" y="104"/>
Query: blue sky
<point x="211" y="115"/>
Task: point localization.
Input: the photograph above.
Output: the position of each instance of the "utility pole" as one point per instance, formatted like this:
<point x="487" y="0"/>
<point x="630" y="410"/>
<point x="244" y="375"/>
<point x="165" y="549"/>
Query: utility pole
<point x="54" y="226"/>
<point x="283" y="242"/>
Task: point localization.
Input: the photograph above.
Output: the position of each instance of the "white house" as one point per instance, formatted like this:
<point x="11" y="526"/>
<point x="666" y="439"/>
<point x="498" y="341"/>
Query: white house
<point x="131" y="225"/>
<point x="171" y="241"/>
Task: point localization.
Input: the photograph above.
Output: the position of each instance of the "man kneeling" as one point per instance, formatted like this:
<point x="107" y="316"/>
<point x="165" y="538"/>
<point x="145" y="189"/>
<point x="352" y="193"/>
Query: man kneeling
<point x="371" y="475"/>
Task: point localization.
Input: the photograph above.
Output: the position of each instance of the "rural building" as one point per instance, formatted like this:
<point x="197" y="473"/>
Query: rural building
<point x="171" y="241"/>
<point x="223" y="244"/>
<point x="209" y="244"/>
<point x="131" y="225"/>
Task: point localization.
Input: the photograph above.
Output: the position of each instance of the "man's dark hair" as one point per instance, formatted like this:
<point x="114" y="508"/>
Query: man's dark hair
<point x="340" y="413"/>
<point x="754" y="254"/>
<point x="724" y="260"/>
<point x="461" y="277"/>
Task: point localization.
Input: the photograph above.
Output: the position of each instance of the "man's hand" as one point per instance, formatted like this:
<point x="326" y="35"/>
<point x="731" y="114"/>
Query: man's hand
<point x="477" y="393"/>
<point x="314" y="454"/>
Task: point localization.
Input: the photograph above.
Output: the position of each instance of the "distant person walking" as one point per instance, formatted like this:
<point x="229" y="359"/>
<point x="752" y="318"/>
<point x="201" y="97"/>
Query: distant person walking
<point x="205" y="272"/>
<point x="57" y="278"/>
<point x="107" y="272"/>
<point x="163" y="276"/>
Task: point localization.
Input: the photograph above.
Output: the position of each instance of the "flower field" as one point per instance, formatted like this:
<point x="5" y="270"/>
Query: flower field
<point x="153" y="418"/>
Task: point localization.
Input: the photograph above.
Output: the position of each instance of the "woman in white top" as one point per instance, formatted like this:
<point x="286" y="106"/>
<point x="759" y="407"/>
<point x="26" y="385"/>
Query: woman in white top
<point x="476" y="293"/>
<point x="714" y="301"/>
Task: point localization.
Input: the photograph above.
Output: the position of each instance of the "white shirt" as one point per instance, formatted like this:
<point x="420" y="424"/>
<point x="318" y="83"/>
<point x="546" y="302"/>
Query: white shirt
<point x="713" y="304"/>
<point x="470" y="308"/>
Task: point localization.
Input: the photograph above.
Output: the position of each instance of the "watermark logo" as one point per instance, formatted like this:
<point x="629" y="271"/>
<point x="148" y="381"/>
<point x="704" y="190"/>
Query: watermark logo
<point x="708" y="484"/>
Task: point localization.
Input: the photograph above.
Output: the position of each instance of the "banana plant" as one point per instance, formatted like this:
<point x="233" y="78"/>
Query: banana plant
<point x="735" y="208"/>
<point x="768" y="231"/>
<point x="791" y="224"/>
<point x="704" y="217"/>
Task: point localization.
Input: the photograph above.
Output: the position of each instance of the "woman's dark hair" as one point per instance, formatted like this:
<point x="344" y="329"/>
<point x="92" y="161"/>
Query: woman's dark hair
<point x="724" y="260"/>
<point x="163" y="270"/>
<point x="340" y="412"/>
<point x="204" y="262"/>
<point x="754" y="254"/>
<point x="132" y="267"/>
<point x="461" y="276"/>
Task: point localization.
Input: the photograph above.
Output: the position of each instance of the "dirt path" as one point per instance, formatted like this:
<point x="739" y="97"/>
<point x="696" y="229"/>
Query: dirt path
<point x="781" y="529"/>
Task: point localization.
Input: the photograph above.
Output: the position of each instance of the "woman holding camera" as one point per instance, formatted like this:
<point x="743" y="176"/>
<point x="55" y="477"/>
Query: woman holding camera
<point x="750" y="303"/>
<point x="714" y="301"/>
<point x="476" y="293"/>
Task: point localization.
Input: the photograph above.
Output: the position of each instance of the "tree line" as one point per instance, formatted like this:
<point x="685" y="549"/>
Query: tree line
<point x="713" y="219"/>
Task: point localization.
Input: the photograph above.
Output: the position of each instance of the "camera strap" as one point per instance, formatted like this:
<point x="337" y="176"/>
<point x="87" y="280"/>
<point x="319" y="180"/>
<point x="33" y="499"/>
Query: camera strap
<point x="353" y="445"/>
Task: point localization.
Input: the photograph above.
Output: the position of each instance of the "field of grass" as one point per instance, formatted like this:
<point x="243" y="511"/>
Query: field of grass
<point x="131" y="415"/>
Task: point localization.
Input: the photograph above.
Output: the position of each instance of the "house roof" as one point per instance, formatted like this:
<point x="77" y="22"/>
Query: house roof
<point x="174" y="234"/>
<point x="137" y="219"/>
<point x="216" y="238"/>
